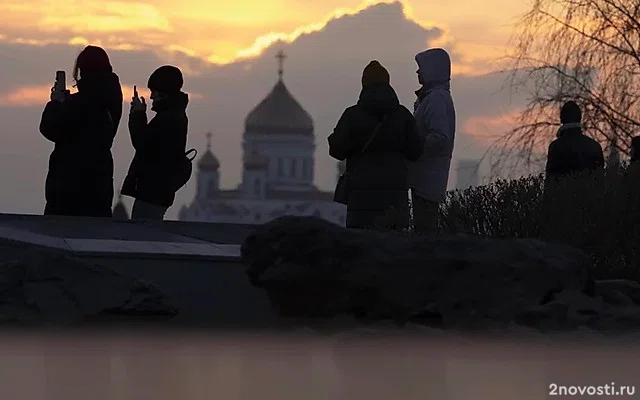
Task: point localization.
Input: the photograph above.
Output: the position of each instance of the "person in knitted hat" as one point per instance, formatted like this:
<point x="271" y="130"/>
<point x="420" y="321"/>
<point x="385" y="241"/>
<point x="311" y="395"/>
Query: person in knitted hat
<point x="376" y="137"/>
<point x="374" y="74"/>
<point x="83" y="126"/>
<point x="572" y="151"/>
<point x="160" y="145"/>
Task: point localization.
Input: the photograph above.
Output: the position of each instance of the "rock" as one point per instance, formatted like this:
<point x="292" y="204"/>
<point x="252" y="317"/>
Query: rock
<point x="523" y="331"/>
<point x="552" y="315"/>
<point x="620" y="321"/>
<point x="314" y="269"/>
<point x="50" y="289"/>
<point x="618" y="291"/>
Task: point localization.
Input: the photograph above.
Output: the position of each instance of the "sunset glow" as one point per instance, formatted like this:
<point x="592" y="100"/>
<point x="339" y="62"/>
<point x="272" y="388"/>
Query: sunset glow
<point x="37" y="95"/>
<point x="225" y="49"/>
<point x="222" y="32"/>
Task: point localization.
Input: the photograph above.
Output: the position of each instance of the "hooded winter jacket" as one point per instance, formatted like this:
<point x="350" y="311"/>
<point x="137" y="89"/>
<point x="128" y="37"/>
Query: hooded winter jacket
<point x="435" y="116"/>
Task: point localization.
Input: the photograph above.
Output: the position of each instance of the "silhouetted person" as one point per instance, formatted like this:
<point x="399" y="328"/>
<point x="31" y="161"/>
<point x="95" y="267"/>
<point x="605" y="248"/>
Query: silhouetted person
<point x="82" y="127"/>
<point x="160" y="145"/>
<point x="377" y="177"/>
<point x="572" y="151"/>
<point x="435" y="115"/>
<point x="632" y="174"/>
<point x="635" y="149"/>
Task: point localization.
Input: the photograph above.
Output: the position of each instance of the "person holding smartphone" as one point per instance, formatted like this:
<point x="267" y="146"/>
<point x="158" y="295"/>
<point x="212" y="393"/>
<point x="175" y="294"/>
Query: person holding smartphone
<point x="82" y="127"/>
<point x="160" y="144"/>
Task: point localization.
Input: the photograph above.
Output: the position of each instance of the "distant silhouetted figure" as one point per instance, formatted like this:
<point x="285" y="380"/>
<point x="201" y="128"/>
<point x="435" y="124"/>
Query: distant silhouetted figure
<point x="632" y="175"/>
<point x="377" y="176"/>
<point x="435" y="115"/>
<point x="635" y="149"/>
<point x="160" y="145"/>
<point x="572" y="151"/>
<point x="82" y="127"/>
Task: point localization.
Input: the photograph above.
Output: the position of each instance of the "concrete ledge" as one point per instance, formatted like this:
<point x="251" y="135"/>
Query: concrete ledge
<point x="147" y="247"/>
<point x="107" y="228"/>
<point x="120" y="248"/>
<point x="32" y="238"/>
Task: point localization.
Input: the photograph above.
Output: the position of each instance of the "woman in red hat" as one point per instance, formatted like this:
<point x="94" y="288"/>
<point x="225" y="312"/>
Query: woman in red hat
<point x="82" y="127"/>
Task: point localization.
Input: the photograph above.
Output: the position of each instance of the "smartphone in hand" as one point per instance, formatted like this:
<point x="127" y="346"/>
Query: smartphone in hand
<point x="61" y="82"/>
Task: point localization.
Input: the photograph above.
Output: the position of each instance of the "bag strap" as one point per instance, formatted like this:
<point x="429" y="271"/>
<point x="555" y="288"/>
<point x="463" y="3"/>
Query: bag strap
<point x="195" y="153"/>
<point x="373" y="135"/>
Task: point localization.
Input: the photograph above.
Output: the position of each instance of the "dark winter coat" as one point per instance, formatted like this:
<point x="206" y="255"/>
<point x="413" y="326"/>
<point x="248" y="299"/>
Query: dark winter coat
<point x="573" y="152"/>
<point x="82" y="128"/>
<point x="160" y="147"/>
<point x="377" y="178"/>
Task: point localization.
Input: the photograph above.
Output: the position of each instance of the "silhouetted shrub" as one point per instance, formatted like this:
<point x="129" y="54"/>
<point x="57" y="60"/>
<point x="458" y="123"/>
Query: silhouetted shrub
<point x="597" y="213"/>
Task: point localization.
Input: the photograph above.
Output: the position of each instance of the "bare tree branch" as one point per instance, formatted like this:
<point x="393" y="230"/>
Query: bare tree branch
<point x="582" y="50"/>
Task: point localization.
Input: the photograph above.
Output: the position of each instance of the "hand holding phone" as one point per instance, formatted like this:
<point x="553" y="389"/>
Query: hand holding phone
<point x="61" y="81"/>
<point x="59" y="90"/>
<point x="137" y="103"/>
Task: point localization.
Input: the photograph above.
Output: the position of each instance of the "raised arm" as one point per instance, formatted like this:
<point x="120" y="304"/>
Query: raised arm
<point x="139" y="130"/>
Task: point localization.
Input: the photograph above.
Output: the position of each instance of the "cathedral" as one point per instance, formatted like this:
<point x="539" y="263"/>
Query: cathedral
<point x="278" y="169"/>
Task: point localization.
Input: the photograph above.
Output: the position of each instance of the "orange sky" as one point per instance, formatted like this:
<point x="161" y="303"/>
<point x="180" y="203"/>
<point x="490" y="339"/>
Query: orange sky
<point x="222" y="31"/>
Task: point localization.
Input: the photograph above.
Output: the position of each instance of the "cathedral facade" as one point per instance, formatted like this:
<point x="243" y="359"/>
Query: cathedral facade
<point x="278" y="169"/>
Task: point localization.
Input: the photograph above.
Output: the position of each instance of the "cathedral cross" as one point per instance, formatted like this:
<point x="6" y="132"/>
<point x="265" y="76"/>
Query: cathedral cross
<point x="280" y="57"/>
<point x="209" y="135"/>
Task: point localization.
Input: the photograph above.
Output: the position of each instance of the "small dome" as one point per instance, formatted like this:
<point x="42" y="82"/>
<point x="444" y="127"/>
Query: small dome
<point x="256" y="161"/>
<point x="279" y="112"/>
<point x="208" y="161"/>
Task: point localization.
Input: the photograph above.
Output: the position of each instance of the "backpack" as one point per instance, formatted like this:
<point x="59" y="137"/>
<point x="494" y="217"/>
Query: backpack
<point x="184" y="170"/>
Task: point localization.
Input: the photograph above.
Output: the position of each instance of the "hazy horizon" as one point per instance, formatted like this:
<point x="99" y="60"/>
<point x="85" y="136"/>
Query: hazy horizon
<point x="227" y="56"/>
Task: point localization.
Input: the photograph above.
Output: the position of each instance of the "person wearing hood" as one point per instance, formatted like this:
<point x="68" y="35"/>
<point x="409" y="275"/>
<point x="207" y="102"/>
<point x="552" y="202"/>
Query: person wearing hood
<point x="376" y="137"/>
<point x="435" y="115"/>
<point x="82" y="127"/>
<point x="159" y="144"/>
<point x="572" y="151"/>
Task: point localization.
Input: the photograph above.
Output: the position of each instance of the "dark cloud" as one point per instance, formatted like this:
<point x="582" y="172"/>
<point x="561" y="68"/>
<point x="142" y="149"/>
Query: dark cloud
<point x="323" y="71"/>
